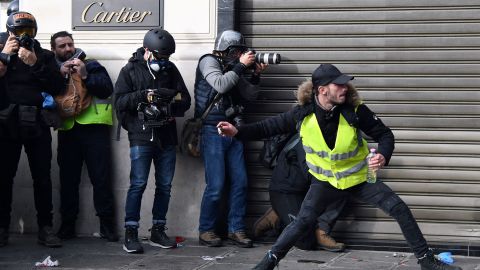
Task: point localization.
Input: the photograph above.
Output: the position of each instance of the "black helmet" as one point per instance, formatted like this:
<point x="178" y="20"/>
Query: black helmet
<point x="229" y="38"/>
<point x="22" y="23"/>
<point x="12" y="7"/>
<point x="160" y="41"/>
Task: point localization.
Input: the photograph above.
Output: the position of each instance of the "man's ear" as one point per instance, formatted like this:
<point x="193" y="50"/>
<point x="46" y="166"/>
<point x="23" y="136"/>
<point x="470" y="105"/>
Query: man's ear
<point x="322" y="90"/>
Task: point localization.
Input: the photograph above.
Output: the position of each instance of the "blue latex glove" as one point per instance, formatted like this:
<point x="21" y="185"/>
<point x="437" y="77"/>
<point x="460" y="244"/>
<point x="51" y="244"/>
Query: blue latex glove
<point x="445" y="257"/>
<point x="48" y="101"/>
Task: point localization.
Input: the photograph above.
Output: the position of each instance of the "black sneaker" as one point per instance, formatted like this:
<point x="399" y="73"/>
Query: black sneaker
<point x="268" y="262"/>
<point x="107" y="230"/>
<point x="3" y="237"/>
<point x="429" y="262"/>
<point x="131" y="244"/>
<point x="159" y="238"/>
<point x="66" y="231"/>
<point x="47" y="238"/>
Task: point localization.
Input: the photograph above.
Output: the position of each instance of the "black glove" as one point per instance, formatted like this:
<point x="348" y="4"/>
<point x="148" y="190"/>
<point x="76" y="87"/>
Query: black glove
<point x="165" y="92"/>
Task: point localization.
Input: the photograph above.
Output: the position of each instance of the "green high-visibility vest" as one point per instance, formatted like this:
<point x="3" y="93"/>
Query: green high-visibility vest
<point x="344" y="166"/>
<point x="99" y="112"/>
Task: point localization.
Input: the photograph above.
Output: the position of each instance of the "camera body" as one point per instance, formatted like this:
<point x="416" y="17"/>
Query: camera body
<point x="25" y="41"/>
<point x="234" y="113"/>
<point x="158" y="110"/>
<point x="270" y="58"/>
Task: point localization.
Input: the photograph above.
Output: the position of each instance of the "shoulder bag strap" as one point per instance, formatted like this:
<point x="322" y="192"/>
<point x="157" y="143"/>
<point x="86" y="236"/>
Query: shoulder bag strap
<point x="217" y="97"/>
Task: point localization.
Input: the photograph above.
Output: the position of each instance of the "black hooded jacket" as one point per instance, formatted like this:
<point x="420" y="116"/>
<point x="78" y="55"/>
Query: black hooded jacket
<point x="131" y="89"/>
<point x="24" y="84"/>
<point x="287" y="122"/>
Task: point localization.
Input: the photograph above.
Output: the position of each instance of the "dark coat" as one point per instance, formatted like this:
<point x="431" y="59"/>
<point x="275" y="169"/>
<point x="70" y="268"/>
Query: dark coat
<point x="131" y="89"/>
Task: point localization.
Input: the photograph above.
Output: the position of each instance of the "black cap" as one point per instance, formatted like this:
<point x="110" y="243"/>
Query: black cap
<point x="328" y="73"/>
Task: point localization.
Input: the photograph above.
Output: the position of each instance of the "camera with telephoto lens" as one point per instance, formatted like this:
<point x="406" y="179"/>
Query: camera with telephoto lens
<point x="158" y="110"/>
<point x="234" y="113"/>
<point x="270" y="58"/>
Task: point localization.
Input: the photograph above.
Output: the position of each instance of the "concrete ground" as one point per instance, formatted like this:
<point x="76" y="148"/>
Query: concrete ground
<point x="94" y="253"/>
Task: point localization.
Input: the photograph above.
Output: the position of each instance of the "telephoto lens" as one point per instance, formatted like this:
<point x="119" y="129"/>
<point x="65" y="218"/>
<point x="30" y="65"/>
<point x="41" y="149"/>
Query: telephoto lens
<point x="268" y="58"/>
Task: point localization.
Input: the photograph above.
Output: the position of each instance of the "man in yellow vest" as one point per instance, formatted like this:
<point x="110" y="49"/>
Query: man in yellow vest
<point x="85" y="138"/>
<point x="335" y="155"/>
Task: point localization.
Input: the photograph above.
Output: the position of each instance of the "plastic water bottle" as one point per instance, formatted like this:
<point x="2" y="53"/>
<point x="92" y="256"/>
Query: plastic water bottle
<point x="371" y="173"/>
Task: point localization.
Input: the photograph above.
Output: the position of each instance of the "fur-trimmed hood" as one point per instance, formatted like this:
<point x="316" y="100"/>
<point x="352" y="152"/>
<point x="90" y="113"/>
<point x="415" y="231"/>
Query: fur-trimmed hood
<point x="304" y="94"/>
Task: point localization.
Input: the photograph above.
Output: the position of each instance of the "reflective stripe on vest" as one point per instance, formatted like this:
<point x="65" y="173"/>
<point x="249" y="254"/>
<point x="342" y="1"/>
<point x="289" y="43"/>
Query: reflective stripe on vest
<point x="99" y="112"/>
<point x="345" y="165"/>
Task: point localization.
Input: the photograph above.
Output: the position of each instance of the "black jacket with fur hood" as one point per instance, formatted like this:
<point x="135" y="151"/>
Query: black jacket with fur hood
<point x="287" y="122"/>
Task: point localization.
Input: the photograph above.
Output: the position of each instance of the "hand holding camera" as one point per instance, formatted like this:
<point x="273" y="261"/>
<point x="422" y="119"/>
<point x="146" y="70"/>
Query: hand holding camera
<point x="247" y="58"/>
<point x="28" y="57"/>
<point x="11" y="45"/>
<point x="74" y="66"/>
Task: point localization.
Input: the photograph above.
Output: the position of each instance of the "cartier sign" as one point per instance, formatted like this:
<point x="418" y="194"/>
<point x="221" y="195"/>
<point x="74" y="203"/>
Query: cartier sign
<point x="116" y="14"/>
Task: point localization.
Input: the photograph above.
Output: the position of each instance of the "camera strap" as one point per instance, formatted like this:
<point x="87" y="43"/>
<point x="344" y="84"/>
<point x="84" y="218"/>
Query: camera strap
<point x="215" y="100"/>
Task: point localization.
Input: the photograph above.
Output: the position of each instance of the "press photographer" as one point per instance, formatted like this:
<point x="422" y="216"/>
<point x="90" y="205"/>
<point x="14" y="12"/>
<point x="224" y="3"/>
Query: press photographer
<point x="226" y="80"/>
<point x="149" y="94"/>
<point x="30" y="71"/>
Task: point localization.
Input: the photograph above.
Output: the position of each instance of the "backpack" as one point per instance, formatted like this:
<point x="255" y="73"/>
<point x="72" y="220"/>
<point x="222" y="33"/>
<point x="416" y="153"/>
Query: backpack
<point x="75" y="99"/>
<point x="272" y="148"/>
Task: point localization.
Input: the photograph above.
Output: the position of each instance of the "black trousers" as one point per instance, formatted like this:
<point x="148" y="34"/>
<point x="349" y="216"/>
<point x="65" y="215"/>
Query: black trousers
<point x="89" y="144"/>
<point x="378" y="194"/>
<point x="287" y="206"/>
<point x="39" y="153"/>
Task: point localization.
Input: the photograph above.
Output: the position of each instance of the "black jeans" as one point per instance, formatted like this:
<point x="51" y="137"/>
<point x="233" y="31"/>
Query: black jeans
<point x="39" y="154"/>
<point x="378" y="194"/>
<point x="89" y="144"/>
<point x="287" y="206"/>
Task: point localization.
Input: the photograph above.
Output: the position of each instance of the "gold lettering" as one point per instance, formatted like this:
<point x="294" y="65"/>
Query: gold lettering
<point x="109" y="19"/>
<point x="97" y="18"/>
<point x="125" y="18"/>
<point x="134" y="17"/>
<point x="84" y="13"/>
<point x="125" y="15"/>
<point x="120" y="13"/>
<point x="145" y="13"/>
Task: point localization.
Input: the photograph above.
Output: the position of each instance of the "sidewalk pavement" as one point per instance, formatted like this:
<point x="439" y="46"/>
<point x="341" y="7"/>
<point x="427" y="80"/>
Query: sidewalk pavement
<point x="93" y="253"/>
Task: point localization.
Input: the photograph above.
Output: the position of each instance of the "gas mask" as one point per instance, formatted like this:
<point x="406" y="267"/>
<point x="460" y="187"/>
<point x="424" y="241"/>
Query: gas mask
<point x="158" y="64"/>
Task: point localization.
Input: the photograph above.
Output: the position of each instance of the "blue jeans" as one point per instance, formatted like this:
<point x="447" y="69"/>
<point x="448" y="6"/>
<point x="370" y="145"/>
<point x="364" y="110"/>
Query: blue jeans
<point x="141" y="158"/>
<point x="219" y="155"/>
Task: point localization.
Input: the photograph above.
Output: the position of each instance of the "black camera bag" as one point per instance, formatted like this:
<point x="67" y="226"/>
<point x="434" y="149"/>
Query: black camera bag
<point x="190" y="137"/>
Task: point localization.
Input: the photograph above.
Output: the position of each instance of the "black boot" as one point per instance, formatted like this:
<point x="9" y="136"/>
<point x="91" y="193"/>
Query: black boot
<point x="268" y="262"/>
<point x="3" y="237"/>
<point x="159" y="238"/>
<point x="132" y="244"/>
<point x="429" y="262"/>
<point x="47" y="237"/>
<point x="107" y="229"/>
<point x="66" y="231"/>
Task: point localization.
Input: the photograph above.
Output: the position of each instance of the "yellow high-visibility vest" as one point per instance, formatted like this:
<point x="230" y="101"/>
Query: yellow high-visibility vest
<point x="99" y="112"/>
<point x="344" y="166"/>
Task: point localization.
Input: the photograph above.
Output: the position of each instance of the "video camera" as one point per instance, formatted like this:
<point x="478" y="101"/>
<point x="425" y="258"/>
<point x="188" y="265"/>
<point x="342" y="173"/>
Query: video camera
<point x="157" y="111"/>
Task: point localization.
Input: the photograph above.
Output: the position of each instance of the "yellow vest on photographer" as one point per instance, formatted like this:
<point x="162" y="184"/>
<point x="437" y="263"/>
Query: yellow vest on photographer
<point x="99" y="112"/>
<point x="344" y="166"/>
